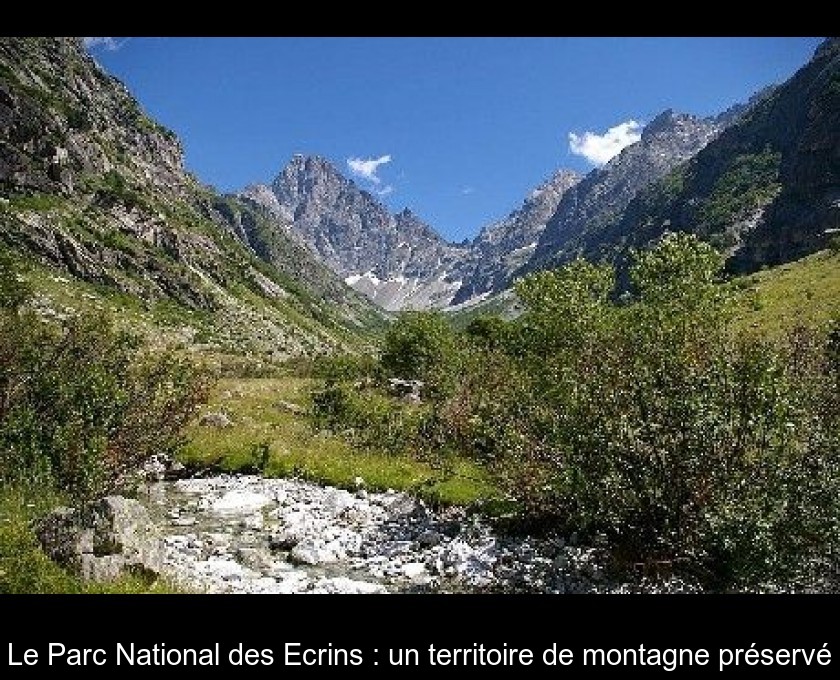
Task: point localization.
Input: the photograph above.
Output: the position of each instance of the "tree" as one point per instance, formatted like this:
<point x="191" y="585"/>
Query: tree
<point x="420" y="346"/>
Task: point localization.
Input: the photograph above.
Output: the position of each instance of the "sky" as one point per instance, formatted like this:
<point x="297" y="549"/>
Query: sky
<point x="459" y="130"/>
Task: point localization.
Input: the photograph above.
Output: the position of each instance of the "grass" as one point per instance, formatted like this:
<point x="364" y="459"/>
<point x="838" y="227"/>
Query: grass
<point x="267" y="436"/>
<point x="805" y="292"/>
<point x="25" y="568"/>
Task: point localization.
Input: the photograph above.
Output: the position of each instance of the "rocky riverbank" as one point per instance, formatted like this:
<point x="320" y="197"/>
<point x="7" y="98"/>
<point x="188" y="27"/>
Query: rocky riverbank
<point x="248" y="534"/>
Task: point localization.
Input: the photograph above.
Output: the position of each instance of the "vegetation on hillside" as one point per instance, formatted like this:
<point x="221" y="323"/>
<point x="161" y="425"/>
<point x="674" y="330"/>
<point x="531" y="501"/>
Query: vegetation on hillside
<point x="82" y="405"/>
<point x="653" y="419"/>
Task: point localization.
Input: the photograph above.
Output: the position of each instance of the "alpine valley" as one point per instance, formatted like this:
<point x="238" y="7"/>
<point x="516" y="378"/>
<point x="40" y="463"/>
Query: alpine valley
<point x="627" y="384"/>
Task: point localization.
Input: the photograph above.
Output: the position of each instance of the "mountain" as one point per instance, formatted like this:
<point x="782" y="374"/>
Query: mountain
<point x="91" y="187"/>
<point x="503" y="247"/>
<point x="668" y="140"/>
<point x="766" y="191"/>
<point x="398" y="261"/>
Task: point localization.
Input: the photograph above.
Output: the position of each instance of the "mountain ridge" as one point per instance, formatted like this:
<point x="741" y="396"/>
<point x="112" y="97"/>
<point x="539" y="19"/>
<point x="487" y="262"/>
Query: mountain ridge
<point x="94" y="187"/>
<point x="400" y="262"/>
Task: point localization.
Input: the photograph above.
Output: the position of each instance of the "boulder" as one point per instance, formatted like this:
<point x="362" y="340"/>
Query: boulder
<point x="314" y="552"/>
<point x="216" y="419"/>
<point x="103" y="540"/>
<point x="408" y="390"/>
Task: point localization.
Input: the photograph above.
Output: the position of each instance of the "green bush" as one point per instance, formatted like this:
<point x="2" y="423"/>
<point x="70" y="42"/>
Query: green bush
<point x="13" y="289"/>
<point x="83" y="404"/>
<point x="653" y="422"/>
<point x="645" y="416"/>
<point x="343" y="367"/>
<point x="488" y="332"/>
<point x="421" y="346"/>
<point x="367" y="418"/>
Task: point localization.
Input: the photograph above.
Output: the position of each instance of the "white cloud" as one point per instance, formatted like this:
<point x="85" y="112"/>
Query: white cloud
<point x="110" y="44"/>
<point x="598" y="149"/>
<point x="366" y="167"/>
<point x="384" y="191"/>
<point x="466" y="191"/>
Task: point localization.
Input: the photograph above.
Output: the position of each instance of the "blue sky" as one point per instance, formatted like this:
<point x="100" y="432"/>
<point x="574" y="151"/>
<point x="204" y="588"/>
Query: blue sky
<point x="458" y="129"/>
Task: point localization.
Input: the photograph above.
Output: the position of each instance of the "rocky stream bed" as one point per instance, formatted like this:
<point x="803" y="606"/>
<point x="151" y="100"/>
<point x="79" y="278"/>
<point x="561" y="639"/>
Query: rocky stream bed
<point x="248" y="534"/>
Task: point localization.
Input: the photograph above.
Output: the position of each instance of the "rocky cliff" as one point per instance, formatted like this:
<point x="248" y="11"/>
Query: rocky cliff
<point x="502" y="248"/>
<point x="396" y="260"/>
<point x="585" y="210"/>
<point x="90" y="185"/>
<point x="766" y="191"/>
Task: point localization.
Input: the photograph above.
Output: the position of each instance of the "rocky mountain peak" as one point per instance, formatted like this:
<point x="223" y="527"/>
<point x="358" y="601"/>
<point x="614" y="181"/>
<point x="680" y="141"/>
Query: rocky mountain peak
<point x="389" y="258"/>
<point x="666" y="123"/>
<point x="502" y="247"/>
<point x="308" y="178"/>
<point x="668" y="140"/>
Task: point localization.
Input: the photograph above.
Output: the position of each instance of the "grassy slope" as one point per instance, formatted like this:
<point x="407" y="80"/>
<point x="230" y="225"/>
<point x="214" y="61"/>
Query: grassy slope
<point x="261" y="414"/>
<point x="805" y="292"/>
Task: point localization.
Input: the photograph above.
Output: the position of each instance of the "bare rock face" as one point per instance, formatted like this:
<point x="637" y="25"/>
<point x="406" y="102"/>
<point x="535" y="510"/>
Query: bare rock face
<point x="767" y="190"/>
<point x="398" y="261"/>
<point x="103" y="540"/>
<point x="94" y="187"/>
<point x="668" y="140"/>
<point x="503" y="247"/>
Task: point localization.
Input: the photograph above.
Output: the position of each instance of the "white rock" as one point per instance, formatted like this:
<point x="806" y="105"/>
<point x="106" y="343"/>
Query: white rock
<point x="312" y="552"/>
<point x="342" y="584"/>
<point x="240" y="502"/>
<point x="226" y="569"/>
<point x="414" y="570"/>
<point x="255" y="521"/>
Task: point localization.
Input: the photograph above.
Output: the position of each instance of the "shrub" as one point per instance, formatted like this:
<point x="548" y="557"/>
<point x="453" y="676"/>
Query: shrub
<point x="488" y="332"/>
<point x="13" y="289"/>
<point x="652" y="422"/>
<point x="82" y="403"/>
<point x="343" y="367"/>
<point x="367" y="418"/>
<point x="421" y="346"/>
<point x="645" y="417"/>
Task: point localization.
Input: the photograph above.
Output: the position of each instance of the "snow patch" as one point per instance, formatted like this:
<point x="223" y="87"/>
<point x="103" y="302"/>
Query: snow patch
<point x="353" y="279"/>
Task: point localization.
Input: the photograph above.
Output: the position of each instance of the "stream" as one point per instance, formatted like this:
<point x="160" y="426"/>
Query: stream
<point x="249" y="534"/>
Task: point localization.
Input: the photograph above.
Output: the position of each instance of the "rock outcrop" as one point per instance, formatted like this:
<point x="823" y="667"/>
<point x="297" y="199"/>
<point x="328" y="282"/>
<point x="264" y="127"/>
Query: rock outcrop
<point x="103" y="540"/>
<point x="766" y="191"/>
<point x="501" y="249"/>
<point x="94" y="187"/>
<point x="587" y="208"/>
